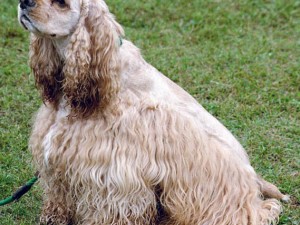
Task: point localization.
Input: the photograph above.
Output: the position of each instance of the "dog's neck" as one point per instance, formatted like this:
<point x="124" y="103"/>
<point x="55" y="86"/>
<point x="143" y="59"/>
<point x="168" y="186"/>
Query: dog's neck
<point x="61" y="45"/>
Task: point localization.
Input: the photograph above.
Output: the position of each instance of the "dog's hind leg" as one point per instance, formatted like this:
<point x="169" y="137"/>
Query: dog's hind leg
<point x="271" y="191"/>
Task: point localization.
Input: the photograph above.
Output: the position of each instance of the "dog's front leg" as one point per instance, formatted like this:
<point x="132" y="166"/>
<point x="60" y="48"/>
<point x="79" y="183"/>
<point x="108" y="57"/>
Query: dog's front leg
<point x="57" y="210"/>
<point x="54" y="213"/>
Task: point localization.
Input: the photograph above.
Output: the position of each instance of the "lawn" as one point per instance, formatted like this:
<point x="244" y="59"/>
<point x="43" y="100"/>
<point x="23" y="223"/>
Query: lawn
<point x="239" y="59"/>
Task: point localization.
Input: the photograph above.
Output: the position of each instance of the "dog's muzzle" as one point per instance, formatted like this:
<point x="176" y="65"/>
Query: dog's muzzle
<point x="23" y="15"/>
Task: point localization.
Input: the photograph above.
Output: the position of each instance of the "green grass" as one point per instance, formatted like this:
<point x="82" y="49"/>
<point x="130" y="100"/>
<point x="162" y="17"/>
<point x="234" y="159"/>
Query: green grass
<point x="239" y="60"/>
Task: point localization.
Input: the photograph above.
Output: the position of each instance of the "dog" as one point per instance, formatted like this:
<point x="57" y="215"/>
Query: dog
<point x="117" y="142"/>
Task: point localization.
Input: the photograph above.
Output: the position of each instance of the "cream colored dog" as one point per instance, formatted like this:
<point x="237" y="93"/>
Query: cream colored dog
<point x="116" y="142"/>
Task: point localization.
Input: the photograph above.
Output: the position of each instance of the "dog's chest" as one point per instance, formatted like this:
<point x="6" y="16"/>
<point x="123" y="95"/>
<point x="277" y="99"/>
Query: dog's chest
<point x="103" y="160"/>
<point x="98" y="148"/>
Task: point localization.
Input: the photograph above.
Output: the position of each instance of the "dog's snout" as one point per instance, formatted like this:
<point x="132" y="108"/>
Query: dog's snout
<point x="27" y="3"/>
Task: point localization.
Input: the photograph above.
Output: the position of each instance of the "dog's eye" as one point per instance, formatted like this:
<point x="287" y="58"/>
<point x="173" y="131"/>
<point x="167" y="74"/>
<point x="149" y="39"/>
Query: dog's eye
<point x="61" y="3"/>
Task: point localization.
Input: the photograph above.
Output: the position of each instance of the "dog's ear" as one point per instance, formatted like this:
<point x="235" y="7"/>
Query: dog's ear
<point x="91" y="69"/>
<point x="47" y="69"/>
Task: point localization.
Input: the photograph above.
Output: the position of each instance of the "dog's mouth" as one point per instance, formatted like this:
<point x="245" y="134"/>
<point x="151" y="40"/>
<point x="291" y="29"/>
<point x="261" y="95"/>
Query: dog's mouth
<point x="27" y="23"/>
<point x="25" y="20"/>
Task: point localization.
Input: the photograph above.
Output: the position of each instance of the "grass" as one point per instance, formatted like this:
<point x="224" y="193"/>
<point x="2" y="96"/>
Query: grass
<point x="239" y="59"/>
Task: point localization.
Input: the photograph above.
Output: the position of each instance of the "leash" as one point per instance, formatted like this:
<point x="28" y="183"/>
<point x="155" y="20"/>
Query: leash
<point x="21" y="191"/>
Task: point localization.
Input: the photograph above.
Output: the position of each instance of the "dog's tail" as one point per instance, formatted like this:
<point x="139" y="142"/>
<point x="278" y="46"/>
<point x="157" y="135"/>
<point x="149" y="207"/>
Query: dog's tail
<point x="269" y="190"/>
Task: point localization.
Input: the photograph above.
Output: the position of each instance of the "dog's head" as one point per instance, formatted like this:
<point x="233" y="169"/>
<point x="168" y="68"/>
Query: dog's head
<point x="85" y="72"/>
<point x="53" y="18"/>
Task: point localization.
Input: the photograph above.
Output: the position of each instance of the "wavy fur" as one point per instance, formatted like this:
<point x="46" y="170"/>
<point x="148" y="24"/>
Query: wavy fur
<point x="116" y="142"/>
<point x="89" y="79"/>
<point x="47" y="69"/>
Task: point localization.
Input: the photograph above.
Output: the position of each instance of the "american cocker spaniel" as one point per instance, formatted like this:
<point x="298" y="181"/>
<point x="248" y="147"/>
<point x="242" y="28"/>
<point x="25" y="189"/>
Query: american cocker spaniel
<point x="116" y="142"/>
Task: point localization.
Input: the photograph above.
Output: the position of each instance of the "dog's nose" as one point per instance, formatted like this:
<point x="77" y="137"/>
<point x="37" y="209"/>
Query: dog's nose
<point x="26" y="3"/>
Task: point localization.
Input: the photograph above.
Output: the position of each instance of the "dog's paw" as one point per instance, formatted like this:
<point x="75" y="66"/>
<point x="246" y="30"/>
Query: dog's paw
<point x="53" y="220"/>
<point x="286" y="198"/>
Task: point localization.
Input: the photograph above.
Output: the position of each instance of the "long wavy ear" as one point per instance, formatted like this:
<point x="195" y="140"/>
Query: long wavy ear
<point x="91" y="69"/>
<point x="47" y="69"/>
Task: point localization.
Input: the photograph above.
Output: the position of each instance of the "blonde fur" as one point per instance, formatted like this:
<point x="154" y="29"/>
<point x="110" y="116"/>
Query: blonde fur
<point x="116" y="142"/>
